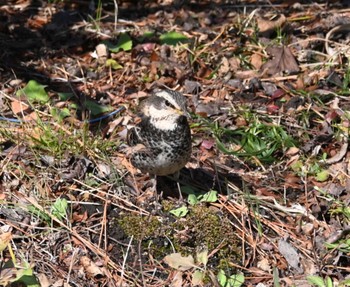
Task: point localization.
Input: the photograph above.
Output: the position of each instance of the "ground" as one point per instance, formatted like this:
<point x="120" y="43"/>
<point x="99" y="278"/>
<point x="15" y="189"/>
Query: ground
<point x="266" y="192"/>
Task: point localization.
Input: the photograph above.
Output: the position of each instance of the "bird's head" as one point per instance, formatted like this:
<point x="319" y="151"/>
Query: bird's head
<point x="164" y="108"/>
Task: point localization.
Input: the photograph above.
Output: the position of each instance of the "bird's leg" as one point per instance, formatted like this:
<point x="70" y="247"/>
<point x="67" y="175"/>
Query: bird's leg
<point x="153" y="181"/>
<point x="176" y="177"/>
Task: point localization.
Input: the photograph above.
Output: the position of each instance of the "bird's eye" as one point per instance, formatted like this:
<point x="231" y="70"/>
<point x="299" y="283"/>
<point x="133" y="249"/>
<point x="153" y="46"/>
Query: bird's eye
<point x="168" y="104"/>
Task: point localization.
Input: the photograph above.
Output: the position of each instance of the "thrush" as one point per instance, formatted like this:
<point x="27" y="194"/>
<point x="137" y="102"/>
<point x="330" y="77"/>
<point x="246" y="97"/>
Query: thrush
<point x="162" y="140"/>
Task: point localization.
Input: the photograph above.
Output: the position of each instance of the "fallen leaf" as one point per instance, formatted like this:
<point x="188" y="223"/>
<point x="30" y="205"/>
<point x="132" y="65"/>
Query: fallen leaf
<point x="256" y="61"/>
<point x="177" y="280"/>
<point x="267" y="26"/>
<point x="101" y="52"/>
<point x="283" y="61"/>
<point x="207" y="144"/>
<point x="43" y="280"/>
<point x="90" y="267"/>
<point x="177" y="261"/>
<point x="235" y="64"/>
<point x="19" y="108"/>
<point x="34" y="92"/>
<point x="264" y="265"/>
<point x="224" y="67"/>
<point x="290" y="254"/>
<point x="5" y="239"/>
<point x="197" y="278"/>
<point x="292" y="151"/>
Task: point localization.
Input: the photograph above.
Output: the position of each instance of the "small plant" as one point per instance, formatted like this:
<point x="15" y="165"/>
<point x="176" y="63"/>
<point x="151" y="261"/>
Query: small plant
<point x="311" y="168"/>
<point x="235" y="280"/>
<point x="172" y="38"/>
<point x="193" y="199"/>
<point x="319" y="281"/>
<point x="124" y="43"/>
<point x="342" y="245"/>
<point x="58" y="211"/>
<point x="336" y="206"/>
<point x="13" y="270"/>
<point x="260" y="140"/>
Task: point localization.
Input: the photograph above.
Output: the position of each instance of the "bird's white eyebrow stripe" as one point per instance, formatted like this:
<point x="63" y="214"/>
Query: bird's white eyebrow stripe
<point x="165" y="95"/>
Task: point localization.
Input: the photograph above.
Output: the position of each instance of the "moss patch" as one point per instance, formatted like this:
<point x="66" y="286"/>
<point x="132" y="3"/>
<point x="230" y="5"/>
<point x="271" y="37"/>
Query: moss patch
<point x="201" y="228"/>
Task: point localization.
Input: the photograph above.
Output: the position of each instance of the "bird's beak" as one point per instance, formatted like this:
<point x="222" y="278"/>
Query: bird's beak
<point x="183" y="113"/>
<point x="180" y="112"/>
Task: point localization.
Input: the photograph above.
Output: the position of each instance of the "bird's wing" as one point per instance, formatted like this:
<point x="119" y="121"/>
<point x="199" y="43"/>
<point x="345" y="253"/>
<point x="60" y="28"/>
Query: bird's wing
<point x="133" y="136"/>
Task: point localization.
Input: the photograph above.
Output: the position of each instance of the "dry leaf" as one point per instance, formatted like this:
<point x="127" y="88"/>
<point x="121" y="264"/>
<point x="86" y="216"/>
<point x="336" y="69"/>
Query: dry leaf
<point x="7" y="275"/>
<point x="179" y="262"/>
<point x="235" y="64"/>
<point x="264" y="265"/>
<point x="292" y="151"/>
<point x="102" y="53"/>
<point x="290" y="254"/>
<point x="256" y="61"/>
<point x="224" y="66"/>
<point x="90" y="267"/>
<point x="283" y="61"/>
<point x="197" y="278"/>
<point x="266" y="25"/>
<point x="177" y="280"/>
<point x="246" y="74"/>
<point x="43" y="280"/>
<point x="5" y="239"/>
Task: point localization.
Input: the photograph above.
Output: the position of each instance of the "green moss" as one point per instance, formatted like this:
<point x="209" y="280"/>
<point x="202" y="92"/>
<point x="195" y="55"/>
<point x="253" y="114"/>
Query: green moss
<point x="168" y="205"/>
<point x="206" y="228"/>
<point x="140" y="227"/>
<point x="202" y="227"/>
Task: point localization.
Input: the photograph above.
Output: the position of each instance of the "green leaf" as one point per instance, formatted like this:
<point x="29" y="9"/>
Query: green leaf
<point x="113" y="64"/>
<point x="329" y="282"/>
<point x="236" y="280"/>
<point x="36" y="212"/>
<point x="34" y="92"/>
<point x="179" y="212"/>
<point x="210" y="196"/>
<point x="60" y="113"/>
<point x="202" y="257"/>
<point x="192" y="199"/>
<point x="65" y="96"/>
<point x="222" y="278"/>
<point x="197" y="278"/>
<point x="59" y="208"/>
<point x="96" y="109"/>
<point x="172" y="38"/>
<point x="145" y="35"/>
<point x="74" y="106"/>
<point x="124" y="43"/>
<point x="322" y="175"/>
<point x="316" y="280"/>
<point x="25" y="275"/>
<point x="276" y="279"/>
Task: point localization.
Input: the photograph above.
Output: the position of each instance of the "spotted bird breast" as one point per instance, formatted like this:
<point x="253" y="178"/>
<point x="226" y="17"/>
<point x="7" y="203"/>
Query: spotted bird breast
<point x="166" y="151"/>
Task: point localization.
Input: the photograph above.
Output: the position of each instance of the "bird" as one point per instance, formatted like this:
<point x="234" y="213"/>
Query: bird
<point x="162" y="140"/>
